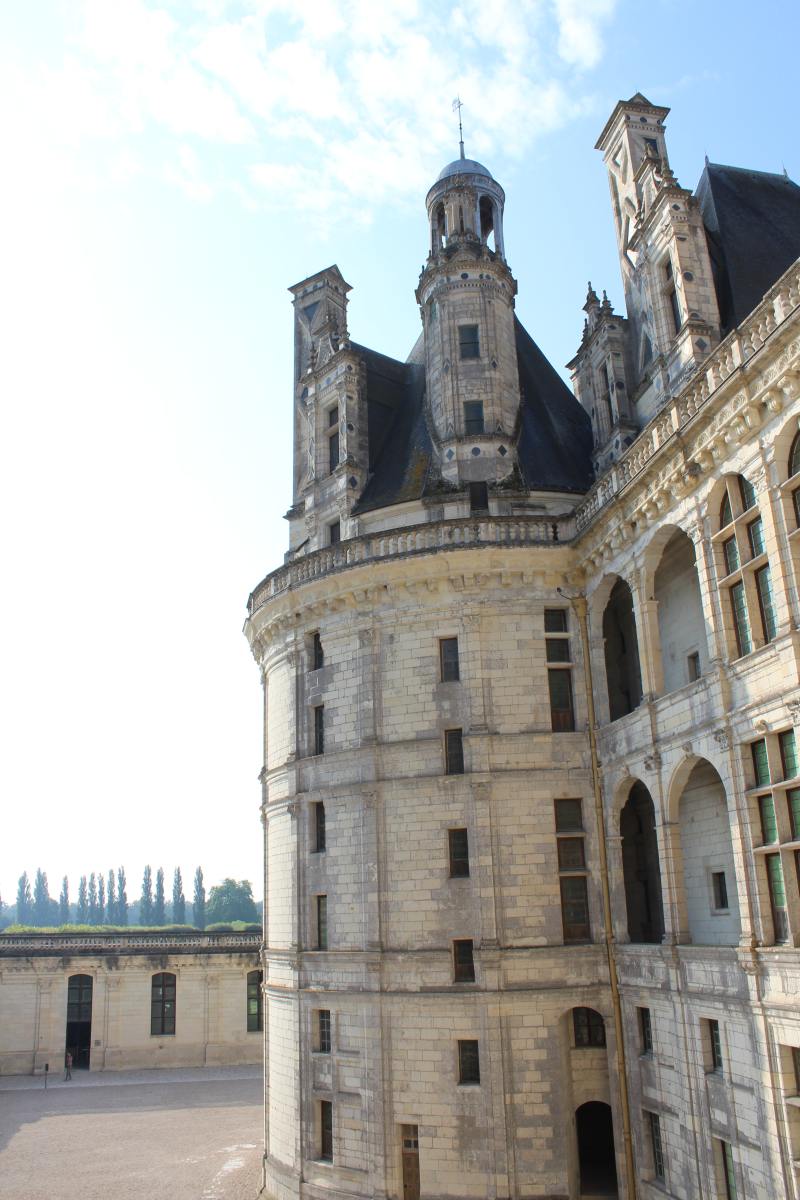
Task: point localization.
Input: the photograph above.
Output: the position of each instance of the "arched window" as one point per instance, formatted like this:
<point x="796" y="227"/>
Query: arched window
<point x="743" y="568"/>
<point x="623" y="673"/>
<point x="255" y="1016"/>
<point x="162" y="1004"/>
<point x="794" y="469"/>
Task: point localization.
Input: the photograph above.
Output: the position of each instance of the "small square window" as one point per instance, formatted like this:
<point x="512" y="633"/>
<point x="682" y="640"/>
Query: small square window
<point x="469" y="1066"/>
<point x="453" y="752"/>
<point x="448" y="659"/>
<point x="568" y="816"/>
<point x="458" y="846"/>
<point x="570" y="854"/>
<point x="555" y="620"/>
<point x="468" y="341"/>
<point x="463" y="961"/>
<point x="719" y="890"/>
<point x="557" y="650"/>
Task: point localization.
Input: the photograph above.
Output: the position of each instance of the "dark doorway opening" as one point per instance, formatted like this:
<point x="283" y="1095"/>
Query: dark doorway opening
<point x="641" y="869"/>
<point x="79" y="1020"/>
<point x="622" y="652"/>
<point x="596" y="1149"/>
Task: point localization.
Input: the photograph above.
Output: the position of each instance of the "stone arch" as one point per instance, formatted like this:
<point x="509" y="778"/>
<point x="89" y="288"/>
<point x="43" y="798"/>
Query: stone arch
<point x="594" y="1133"/>
<point x="682" y="630"/>
<point x="641" y="869"/>
<point x="621" y="650"/>
<point x="706" y="885"/>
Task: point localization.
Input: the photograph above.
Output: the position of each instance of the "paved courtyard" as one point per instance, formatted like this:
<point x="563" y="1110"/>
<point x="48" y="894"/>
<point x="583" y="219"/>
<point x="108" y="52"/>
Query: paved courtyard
<point x="168" y="1135"/>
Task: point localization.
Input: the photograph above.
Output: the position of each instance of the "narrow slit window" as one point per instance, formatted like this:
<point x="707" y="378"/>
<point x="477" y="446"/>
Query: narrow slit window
<point x="469" y="1066"/>
<point x="453" y="752"/>
<point x="719" y="891"/>
<point x="319" y="729"/>
<point x="323" y="1030"/>
<point x="326" y="1130"/>
<point x="448" y="659"/>
<point x="645" y="1031"/>
<point x="458" y="847"/>
<point x="255" y="1016"/>
<point x="320" y="835"/>
<point x="322" y="922"/>
<point x="317" y="653"/>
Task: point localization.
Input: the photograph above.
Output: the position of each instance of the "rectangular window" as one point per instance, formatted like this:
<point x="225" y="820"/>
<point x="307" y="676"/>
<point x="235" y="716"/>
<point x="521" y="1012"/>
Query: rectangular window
<point x="656" y="1145"/>
<point x="468" y="341"/>
<point x="712" y="1045"/>
<point x="693" y="666"/>
<point x="755" y="536"/>
<point x="574" y="908"/>
<point x="473" y="416"/>
<point x="719" y="890"/>
<point x="728" y="1173"/>
<point x="319" y="729"/>
<point x="319" y="827"/>
<point x="317" y="653"/>
<point x="793" y="800"/>
<point x="731" y="552"/>
<point x="747" y="493"/>
<point x="469" y="1065"/>
<point x="796" y="1069"/>
<point x="333" y="452"/>
<point x="555" y="620"/>
<point x="448" y="659"/>
<point x="557" y="650"/>
<point x="796" y="503"/>
<point x="766" y="604"/>
<point x="645" y="1031"/>
<point x="453" y="752"/>
<point x="570" y="854"/>
<point x="562" y="715"/>
<point x="777" y="897"/>
<point x="326" y="1130"/>
<point x="323" y="1030"/>
<point x="760" y="762"/>
<point x="675" y="309"/>
<point x="769" y="824"/>
<point x="458" y="846"/>
<point x="478" y="497"/>
<point x="322" y="922"/>
<point x="568" y="816"/>
<point x="255" y="1018"/>
<point x="741" y="625"/>
<point x="588" y="1027"/>
<point x="334" y="533"/>
<point x="463" y="961"/>
<point x="788" y="747"/>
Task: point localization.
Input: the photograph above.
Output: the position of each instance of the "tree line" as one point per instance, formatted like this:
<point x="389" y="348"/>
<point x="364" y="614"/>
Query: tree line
<point x="103" y="900"/>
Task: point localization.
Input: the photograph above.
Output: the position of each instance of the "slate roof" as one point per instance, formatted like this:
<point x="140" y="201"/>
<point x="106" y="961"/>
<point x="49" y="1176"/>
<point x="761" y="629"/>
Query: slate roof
<point x="555" y="435"/>
<point x="752" y="221"/>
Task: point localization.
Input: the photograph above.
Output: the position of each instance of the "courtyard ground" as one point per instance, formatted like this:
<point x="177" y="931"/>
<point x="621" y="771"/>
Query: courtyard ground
<point x="167" y="1135"/>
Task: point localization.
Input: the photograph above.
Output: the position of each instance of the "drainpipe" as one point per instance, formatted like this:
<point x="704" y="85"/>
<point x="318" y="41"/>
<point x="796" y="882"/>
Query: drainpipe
<point x="579" y="607"/>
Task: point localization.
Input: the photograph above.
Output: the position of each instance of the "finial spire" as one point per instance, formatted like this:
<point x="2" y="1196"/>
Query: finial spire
<point x="457" y="106"/>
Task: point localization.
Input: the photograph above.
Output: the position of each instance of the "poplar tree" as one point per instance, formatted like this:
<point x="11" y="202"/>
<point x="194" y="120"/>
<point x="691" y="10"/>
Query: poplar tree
<point x="122" y="897"/>
<point x="146" y="902"/>
<point x="199" y="903"/>
<point x="111" y="903"/>
<point x="159" y="907"/>
<point x="24" y="900"/>
<point x="92" y="899"/>
<point x="82" y="915"/>
<point x="178" y="899"/>
<point x="101" y="899"/>
<point x="63" y="902"/>
<point x="41" y="899"/>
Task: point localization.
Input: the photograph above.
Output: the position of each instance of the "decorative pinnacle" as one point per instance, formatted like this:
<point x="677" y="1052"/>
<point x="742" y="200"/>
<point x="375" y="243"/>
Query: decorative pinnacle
<point x="457" y="106"/>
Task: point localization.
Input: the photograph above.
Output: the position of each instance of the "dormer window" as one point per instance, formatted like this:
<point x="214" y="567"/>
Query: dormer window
<point x="468" y="342"/>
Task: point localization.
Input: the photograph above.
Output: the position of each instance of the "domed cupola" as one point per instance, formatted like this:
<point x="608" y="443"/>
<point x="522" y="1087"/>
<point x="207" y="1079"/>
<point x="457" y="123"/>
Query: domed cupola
<point x="466" y="298"/>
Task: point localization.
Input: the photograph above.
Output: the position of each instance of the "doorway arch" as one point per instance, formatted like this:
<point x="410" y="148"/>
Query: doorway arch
<point x="596" y="1158"/>
<point x="78" y="1039"/>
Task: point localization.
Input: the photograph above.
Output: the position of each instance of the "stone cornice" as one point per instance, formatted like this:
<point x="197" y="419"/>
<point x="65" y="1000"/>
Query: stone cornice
<point x="59" y="945"/>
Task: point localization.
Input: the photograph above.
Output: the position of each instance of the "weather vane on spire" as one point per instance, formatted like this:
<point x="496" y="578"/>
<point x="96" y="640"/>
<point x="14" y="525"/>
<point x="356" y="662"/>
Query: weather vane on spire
<point x="457" y="107"/>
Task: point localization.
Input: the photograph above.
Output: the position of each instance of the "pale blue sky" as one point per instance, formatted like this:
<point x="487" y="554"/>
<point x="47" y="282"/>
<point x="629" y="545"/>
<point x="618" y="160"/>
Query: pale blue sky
<point x="170" y="169"/>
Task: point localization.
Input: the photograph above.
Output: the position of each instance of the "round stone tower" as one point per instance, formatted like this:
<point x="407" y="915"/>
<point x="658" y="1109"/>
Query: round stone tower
<point x="432" y="911"/>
